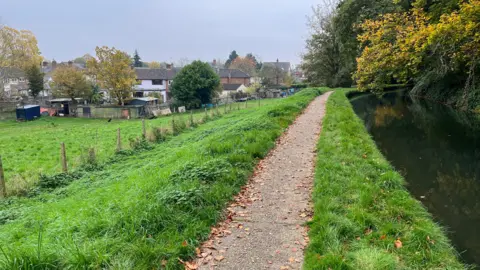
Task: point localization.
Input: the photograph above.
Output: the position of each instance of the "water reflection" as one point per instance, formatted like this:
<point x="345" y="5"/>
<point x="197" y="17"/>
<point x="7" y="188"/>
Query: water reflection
<point x="437" y="149"/>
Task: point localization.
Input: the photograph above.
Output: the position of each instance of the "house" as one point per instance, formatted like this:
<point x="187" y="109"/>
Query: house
<point x="233" y="76"/>
<point x="154" y="82"/>
<point x="283" y="66"/>
<point x="14" y="81"/>
<point x="229" y="89"/>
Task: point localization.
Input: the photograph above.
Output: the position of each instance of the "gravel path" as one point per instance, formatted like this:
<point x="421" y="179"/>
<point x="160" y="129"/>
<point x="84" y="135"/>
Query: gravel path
<point x="264" y="228"/>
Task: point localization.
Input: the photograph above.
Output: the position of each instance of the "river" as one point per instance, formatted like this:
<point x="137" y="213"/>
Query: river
<point x="437" y="150"/>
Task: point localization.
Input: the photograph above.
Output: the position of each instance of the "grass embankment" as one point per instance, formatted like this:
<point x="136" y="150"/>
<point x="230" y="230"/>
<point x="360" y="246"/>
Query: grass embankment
<point x="364" y="216"/>
<point x="146" y="210"/>
<point x="29" y="149"/>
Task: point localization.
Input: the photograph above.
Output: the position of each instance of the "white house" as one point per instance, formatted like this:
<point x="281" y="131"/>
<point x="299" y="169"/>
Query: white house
<point x="153" y="81"/>
<point x="229" y="89"/>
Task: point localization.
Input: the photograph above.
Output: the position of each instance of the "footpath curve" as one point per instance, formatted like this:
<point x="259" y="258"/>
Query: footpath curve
<point x="264" y="228"/>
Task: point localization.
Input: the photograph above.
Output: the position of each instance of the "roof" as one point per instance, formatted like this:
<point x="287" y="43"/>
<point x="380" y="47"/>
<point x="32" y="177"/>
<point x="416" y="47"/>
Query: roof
<point x="29" y="106"/>
<point x="231" y="87"/>
<point x="156" y="73"/>
<point x="169" y="74"/>
<point x="232" y="73"/>
<point x="11" y="72"/>
<point x="285" y="66"/>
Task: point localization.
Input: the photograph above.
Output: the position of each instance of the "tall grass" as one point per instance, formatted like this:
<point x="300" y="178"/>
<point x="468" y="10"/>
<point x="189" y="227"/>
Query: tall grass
<point x="362" y="210"/>
<point x="146" y="210"/>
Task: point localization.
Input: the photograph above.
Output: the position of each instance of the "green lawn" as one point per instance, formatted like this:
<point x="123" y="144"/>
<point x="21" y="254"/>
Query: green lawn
<point x="147" y="209"/>
<point x="29" y="149"/>
<point x="364" y="216"/>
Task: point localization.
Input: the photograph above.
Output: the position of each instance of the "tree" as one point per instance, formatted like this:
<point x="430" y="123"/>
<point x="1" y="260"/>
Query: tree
<point x="137" y="61"/>
<point x="258" y="65"/>
<point x="272" y="75"/>
<point x="323" y="64"/>
<point x="113" y="72"/>
<point x="244" y="64"/>
<point x="233" y="56"/>
<point x="154" y="64"/>
<point x="35" y="80"/>
<point x="195" y="84"/>
<point x="18" y="48"/>
<point x="69" y="82"/>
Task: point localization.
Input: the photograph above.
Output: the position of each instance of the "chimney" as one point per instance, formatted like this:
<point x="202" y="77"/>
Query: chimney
<point x="169" y="66"/>
<point x="277" y="60"/>
<point x="54" y="64"/>
<point x="214" y="62"/>
<point x="45" y="64"/>
<point x="70" y="63"/>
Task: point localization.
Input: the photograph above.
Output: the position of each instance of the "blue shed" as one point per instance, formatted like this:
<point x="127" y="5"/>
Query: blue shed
<point x="28" y="112"/>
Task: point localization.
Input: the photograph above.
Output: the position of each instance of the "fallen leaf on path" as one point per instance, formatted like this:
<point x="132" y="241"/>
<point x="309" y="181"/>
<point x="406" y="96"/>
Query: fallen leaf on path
<point x="284" y="267"/>
<point x="303" y="215"/>
<point x="270" y="262"/>
<point x="291" y="259"/>
<point x="197" y="250"/>
<point x="191" y="266"/>
<point x="219" y="258"/>
<point x="398" y="243"/>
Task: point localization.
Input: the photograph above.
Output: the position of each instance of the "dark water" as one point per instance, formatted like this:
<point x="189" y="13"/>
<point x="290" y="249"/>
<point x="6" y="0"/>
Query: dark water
<point x="437" y="149"/>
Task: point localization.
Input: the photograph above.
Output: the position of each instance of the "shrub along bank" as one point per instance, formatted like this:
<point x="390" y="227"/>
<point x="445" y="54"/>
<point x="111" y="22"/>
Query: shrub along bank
<point x="149" y="209"/>
<point x="364" y="217"/>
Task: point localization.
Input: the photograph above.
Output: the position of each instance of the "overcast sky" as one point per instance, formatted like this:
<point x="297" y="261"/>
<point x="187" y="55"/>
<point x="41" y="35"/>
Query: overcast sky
<point x="164" y="30"/>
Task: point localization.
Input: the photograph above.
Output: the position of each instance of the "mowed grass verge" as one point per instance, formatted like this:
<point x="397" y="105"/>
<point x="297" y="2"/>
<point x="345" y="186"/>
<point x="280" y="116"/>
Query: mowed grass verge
<point x="364" y="218"/>
<point x="150" y="209"/>
<point x="29" y="149"/>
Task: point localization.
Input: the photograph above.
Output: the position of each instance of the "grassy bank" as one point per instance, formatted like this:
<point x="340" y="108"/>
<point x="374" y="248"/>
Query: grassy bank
<point x="29" y="149"/>
<point x="146" y="210"/>
<point x="364" y="217"/>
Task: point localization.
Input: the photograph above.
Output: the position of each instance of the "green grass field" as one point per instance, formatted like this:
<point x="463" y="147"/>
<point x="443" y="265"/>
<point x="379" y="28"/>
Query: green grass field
<point x="147" y="209"/>
<point x="364" y="217"/>
<point x="29" y="149"/>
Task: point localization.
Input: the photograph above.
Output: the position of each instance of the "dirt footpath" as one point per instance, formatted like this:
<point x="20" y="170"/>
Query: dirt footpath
<point x="264" y="228"/>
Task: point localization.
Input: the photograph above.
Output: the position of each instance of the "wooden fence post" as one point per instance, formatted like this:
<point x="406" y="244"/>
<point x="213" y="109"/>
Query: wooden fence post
<point x="191" y="118"/>
<point x="144" y="130"/>
<point x="3" y="189"/>
<point x="63" y="154"/>
<point x="119" y="141"/>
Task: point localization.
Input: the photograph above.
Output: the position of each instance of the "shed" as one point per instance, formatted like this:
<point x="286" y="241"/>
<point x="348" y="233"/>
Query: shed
<point x="28" y="112"/>
<point x="143" y="101"/>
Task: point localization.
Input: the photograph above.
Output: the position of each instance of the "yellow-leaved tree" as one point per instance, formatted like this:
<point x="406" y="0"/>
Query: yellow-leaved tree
<point x="18" y="48"/>
<point x="154" y="64"/>
<point x="112" y="71"/>
<point x="411" y="47"/>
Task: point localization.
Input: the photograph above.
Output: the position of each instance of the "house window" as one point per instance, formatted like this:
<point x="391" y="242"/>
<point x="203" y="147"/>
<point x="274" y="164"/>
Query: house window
<point x="157" y="82"/>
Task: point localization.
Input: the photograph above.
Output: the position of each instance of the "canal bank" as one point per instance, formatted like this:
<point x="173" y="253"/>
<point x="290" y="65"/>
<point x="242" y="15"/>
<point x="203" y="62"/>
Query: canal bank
<point x="364" y="217"/>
